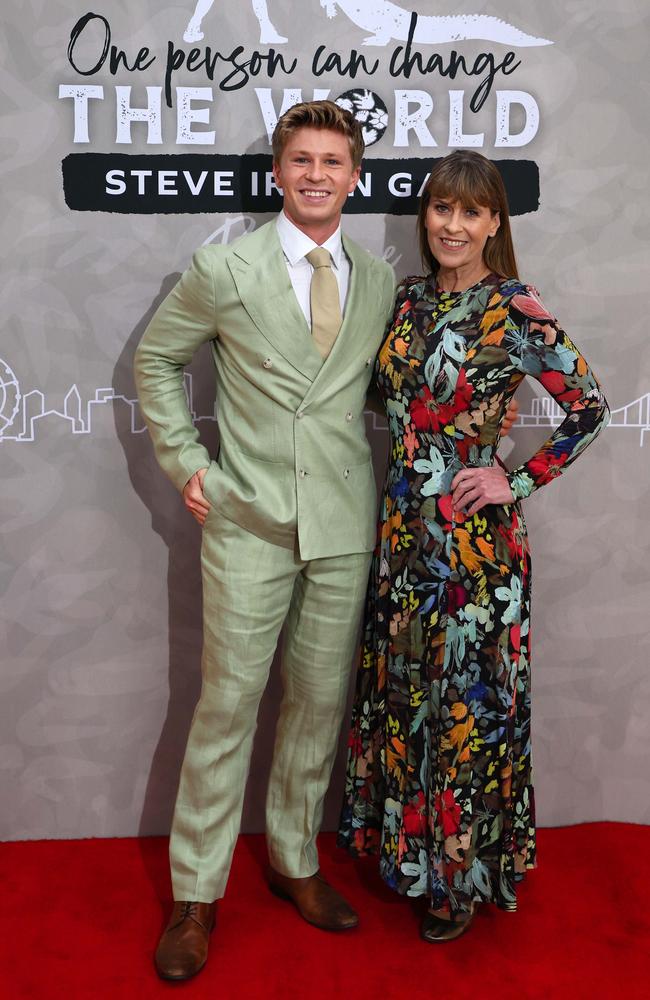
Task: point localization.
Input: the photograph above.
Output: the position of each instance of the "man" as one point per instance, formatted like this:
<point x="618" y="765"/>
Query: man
<point x="268" y="34"/>
<point x="288" y="514"/>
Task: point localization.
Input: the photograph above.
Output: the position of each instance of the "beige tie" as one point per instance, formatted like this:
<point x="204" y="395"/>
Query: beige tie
<point x="325" y="301"/>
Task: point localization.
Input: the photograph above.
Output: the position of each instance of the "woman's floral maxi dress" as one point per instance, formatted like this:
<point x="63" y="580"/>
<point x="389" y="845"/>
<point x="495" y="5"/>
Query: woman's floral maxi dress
<point x="439" y="768"/>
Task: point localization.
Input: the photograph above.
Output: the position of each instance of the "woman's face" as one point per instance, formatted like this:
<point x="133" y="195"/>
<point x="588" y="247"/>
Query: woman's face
<point x="457" y="235"/>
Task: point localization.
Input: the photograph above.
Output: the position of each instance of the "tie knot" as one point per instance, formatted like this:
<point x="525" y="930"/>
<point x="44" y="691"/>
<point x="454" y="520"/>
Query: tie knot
<point x="320" y="257"/>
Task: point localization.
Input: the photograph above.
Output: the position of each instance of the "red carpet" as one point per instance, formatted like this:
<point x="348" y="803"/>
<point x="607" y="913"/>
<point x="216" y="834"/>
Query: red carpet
<point x="81" y="918"/>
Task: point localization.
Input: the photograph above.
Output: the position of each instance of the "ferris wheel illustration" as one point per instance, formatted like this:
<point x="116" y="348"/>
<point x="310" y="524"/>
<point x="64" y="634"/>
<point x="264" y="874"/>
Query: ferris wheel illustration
<point x="9" y="397"/>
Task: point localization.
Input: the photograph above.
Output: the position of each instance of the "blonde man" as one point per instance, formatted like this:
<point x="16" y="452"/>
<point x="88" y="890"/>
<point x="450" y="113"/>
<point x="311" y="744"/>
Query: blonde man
<point x="287" y="510"/>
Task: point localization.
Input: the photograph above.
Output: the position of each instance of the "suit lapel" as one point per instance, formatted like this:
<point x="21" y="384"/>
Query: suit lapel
<point x="260" y="274"/>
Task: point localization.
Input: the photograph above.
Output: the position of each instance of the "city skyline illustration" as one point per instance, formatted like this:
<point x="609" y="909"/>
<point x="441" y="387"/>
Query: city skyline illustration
<point x="22" y="413"/>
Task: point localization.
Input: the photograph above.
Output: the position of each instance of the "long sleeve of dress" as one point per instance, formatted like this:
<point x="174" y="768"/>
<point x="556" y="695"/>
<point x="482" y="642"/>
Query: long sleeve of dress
<point x="537" y="346"/>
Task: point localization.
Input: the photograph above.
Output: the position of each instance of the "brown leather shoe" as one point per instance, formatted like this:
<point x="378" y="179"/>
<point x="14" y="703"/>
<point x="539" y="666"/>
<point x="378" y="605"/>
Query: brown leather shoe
<point x="316" y="901"/>
<point x="436" y="929"/>
<point x="183" y="948"/>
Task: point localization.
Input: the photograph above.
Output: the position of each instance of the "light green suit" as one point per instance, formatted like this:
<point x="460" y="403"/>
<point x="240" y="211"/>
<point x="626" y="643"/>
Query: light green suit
<point x="287" y="538"/>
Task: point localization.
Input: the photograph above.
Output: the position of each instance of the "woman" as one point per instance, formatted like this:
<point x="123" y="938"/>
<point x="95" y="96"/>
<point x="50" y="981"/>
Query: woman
<point x="439" y="772"/>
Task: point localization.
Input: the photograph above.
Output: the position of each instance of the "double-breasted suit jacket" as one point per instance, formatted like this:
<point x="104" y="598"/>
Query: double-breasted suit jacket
<point x="294" y="460"/>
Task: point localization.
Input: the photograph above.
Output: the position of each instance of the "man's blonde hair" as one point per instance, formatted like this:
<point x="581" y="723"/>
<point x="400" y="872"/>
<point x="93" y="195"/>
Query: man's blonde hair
<point x="322" y="115"/>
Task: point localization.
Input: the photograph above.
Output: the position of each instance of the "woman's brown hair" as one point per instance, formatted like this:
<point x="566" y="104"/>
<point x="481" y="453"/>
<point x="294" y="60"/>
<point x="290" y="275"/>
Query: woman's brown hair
<point x="471" y="179"/>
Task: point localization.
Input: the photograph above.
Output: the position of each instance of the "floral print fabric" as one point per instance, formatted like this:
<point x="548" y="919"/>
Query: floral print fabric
<point x="439" y="767"/>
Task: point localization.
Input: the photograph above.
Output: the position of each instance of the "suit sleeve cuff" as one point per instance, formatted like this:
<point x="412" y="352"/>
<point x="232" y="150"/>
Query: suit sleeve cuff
<point x="193" y="458"/>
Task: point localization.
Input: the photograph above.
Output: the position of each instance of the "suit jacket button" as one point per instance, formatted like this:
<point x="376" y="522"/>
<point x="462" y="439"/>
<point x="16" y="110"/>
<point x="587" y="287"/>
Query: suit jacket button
<point x="369" y="362"/>
<point x="349" y="416"/>
<point x="299" y="415"/>
<point x="346" y="473"/>
<point x="302" y="473"/>
<point x="268" y="363"/>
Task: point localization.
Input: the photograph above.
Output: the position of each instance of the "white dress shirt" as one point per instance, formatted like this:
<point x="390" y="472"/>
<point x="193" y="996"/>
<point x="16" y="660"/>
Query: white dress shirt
<point x="295" y="244"/>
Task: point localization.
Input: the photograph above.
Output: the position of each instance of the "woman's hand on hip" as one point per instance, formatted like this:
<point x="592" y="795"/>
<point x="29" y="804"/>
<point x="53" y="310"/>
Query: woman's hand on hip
<point x="509" y="417"/>
<point x="472" y="489"/>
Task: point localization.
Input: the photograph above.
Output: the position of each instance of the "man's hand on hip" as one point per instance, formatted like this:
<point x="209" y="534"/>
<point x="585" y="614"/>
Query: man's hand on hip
<point x="194" y="498"/>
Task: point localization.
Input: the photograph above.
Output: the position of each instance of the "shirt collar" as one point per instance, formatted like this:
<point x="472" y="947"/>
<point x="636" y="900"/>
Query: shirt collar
<point x="295" y="244"/>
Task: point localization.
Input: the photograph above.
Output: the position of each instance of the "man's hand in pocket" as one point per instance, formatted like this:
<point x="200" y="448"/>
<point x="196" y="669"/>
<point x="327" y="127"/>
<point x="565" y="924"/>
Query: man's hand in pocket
<point x="194" y="497"/>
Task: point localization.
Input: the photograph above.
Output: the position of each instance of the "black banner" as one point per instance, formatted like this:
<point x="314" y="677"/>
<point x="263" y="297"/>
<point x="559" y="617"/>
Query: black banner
<point x="145" y="184"/>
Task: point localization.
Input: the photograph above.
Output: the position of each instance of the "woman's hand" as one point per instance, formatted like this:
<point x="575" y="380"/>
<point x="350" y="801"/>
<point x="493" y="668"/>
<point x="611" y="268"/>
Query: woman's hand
<point x="509" y="416"/>
<point x="472" y="489"/>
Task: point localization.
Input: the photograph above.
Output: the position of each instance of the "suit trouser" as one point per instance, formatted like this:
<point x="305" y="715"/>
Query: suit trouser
<point x="250" y="589"/>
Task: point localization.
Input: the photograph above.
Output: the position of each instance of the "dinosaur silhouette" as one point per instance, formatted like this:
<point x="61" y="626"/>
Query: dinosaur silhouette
<point x="389" y="22"/>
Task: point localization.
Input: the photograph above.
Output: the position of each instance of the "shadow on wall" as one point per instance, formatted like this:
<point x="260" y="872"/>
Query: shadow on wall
<point x="169" y="520"/>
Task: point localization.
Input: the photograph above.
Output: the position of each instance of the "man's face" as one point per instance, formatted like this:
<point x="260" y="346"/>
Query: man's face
<point x="316" y="174"/>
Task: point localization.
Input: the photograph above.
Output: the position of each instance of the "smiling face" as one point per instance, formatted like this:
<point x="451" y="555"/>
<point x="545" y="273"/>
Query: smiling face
<point x="457" y="235"/>
<point x="316" y="174"/>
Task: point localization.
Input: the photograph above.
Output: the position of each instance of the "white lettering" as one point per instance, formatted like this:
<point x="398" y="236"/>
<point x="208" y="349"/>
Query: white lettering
<point x="116" y="178"/>
<point x="223" y="182"/>
<point x="167" y="181"/>
<point x="81" y="94"/>
<point x="195" y="188"/>
<point x="232" y="222"/>
<point x="126" y="114"/>
<point x="399" y="185"/>
<point x="457" y="138"/>
<point x="505" y="100"/>
<point x="406" y="121"/>
<point x="270" y="185"/>
<point x="141" y="174"/>
<point x="186" y="114"/>
<point x="364" y="185"/>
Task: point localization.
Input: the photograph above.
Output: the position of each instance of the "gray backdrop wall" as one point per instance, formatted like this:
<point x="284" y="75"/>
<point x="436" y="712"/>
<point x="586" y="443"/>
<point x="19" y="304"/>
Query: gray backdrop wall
<point x="100" y="613"/>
